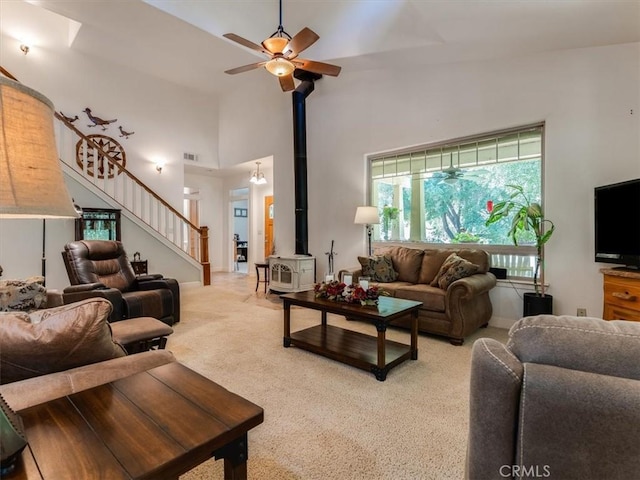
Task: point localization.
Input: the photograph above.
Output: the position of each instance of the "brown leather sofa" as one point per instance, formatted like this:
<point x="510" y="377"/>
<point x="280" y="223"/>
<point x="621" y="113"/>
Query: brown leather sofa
<point x="453" y="312"/>
<point x="100" y="268"/>
<point x="560" y="400"/>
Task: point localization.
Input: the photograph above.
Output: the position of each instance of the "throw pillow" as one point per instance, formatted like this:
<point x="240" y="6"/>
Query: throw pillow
<point x="379" y="268"/>
<point x="23" y="295"/>
<point x="454" y="268"/>
<point x="55" y="339"/>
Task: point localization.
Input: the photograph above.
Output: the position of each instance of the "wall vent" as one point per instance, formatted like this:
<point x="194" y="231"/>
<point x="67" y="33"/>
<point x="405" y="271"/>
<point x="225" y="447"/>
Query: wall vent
<point x="191" y="157"/>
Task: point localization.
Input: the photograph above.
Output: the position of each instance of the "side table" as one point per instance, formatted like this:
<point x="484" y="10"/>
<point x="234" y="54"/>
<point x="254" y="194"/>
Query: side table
<point x="265" y="268"/>
<point x="139" y="267"/>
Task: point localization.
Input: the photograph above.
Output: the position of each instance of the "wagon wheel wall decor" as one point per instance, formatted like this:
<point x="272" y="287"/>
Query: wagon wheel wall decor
<point x="96" y="161"/>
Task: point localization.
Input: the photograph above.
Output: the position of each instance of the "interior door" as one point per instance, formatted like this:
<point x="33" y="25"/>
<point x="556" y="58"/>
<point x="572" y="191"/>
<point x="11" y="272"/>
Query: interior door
<point x="269" y="246"/>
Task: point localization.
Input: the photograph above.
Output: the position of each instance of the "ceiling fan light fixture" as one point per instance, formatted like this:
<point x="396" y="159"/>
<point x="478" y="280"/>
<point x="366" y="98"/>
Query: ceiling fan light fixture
<point x="280" y="67"/>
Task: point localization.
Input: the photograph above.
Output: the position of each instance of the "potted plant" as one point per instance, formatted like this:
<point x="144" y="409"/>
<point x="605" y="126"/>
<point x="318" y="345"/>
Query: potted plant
<point x="389" y="216"/>
<point x="527" y="216"/>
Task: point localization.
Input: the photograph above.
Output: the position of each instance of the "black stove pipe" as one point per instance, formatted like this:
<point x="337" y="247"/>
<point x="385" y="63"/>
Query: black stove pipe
<point x="300" y="160"/>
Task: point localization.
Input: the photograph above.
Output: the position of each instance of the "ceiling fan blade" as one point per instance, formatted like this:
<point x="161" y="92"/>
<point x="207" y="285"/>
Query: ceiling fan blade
<point x="246" y="43"/>
<point x="302" y="40"/>
<point x="286" y="83"/>
<point x="245" y="68"/>
<point x="317" y="67"/>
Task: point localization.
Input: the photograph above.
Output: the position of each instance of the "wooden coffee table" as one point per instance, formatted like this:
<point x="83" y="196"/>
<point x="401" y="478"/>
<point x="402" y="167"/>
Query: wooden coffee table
<point x="157" y="424"/>
<point x="374" y="354"/>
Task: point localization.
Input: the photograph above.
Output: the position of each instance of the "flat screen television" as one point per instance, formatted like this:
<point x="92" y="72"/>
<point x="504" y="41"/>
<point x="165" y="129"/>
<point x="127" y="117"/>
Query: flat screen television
<point x="617" y="223"/>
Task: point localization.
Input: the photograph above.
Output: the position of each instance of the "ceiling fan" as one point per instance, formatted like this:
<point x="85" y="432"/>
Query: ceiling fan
<point x="452" y="174"/>
<point x="283" y="51"/>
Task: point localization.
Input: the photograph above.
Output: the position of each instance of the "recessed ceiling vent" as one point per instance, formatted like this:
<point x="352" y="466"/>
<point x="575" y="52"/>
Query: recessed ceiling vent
<point x="190" y="157"/>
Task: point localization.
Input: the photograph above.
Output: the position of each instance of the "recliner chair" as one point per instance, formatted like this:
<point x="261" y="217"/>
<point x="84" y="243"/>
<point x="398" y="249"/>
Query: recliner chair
<point x="100" y="268"/>
<point x="561" y="401"/>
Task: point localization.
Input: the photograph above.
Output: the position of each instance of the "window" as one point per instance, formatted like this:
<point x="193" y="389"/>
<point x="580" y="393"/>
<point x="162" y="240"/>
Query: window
<point x="442" y="193"/>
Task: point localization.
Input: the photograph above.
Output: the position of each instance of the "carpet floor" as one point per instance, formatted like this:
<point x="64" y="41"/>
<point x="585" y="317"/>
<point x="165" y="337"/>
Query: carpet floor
<point x="324" y="420"/>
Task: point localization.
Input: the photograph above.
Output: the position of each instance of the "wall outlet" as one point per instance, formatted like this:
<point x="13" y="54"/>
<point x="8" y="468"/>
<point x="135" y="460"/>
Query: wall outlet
<point x="582" y="312"/>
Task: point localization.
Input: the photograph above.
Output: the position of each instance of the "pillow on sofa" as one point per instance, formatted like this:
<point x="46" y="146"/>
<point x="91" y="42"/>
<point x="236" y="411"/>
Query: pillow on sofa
<point x="22" y="295"/>
<point x="378" y="267"/>
<point x="55" y="339"/>
<point x="454" y="268"/>
<point x="431" y="263"/>
<point x="406" y="262"/>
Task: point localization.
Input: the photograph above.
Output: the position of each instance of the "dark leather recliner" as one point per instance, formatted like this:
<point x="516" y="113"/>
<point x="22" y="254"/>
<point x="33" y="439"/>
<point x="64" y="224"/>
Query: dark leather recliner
<point x="100" y="268"/>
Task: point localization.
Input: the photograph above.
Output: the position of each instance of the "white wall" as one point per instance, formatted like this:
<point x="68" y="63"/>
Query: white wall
<point x="167" y="119"/>
<point x="585" y="96"/>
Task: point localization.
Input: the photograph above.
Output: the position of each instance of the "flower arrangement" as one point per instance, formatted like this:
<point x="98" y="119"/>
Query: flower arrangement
<point x="341" y="292"/>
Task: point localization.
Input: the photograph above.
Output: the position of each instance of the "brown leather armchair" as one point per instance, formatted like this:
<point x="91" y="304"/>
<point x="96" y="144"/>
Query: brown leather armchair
<point x="100" y="268"/>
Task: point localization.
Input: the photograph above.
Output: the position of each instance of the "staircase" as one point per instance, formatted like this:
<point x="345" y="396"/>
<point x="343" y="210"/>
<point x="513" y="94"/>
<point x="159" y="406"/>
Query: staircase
<point x="99" y="165"/>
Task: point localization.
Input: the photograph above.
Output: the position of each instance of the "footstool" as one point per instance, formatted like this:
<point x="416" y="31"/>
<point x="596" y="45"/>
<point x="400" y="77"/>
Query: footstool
<point x="140" y="334"/>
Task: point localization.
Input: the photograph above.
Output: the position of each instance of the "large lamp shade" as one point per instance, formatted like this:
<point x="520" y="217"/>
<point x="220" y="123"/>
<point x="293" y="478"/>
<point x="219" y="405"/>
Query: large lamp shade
<point x="367" y="216"/>
<point x="31" y="181"/>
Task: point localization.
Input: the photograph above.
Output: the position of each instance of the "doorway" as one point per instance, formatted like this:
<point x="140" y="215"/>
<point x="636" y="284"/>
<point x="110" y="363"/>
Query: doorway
<point x="269" y="244"/>
<point x="239" y="205"/>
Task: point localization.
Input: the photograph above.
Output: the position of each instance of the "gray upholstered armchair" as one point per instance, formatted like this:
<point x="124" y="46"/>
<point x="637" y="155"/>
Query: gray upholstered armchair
<point x="561" y="401"/>
<point x="100" y="268"/>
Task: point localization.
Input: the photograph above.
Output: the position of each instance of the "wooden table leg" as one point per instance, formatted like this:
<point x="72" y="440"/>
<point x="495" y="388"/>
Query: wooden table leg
<point x="287" y="323"/>
<point x="235" y="455"/>
<point x="324" y="318"/>
<point x="414" y="335"/>
<point x="381" y="370"/>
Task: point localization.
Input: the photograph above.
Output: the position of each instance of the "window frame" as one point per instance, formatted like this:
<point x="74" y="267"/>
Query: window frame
<point x="513" y="253"/>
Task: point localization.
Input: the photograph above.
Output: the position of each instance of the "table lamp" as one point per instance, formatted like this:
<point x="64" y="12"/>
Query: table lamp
<point x="367" y="216"/>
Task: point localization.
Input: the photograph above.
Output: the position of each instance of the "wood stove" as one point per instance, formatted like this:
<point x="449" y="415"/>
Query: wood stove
<point x="294" y="273"/>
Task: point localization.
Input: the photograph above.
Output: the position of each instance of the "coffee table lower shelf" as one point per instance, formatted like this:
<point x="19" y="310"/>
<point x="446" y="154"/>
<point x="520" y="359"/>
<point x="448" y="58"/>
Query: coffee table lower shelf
<point x="352" y="348"/>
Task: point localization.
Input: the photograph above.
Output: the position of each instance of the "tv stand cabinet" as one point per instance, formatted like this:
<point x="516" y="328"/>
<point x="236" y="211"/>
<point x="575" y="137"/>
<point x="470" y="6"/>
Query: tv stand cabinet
<point x="621" y="294"/>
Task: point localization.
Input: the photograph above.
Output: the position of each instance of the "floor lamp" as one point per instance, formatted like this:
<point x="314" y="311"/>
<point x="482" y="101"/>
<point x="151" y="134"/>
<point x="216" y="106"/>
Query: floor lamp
<point x="367" y="216"/>
<point x="31" y="180"/>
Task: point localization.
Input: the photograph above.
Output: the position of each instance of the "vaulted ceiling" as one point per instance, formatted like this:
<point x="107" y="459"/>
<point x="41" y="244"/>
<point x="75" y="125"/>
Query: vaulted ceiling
<point x="181" y="41"/>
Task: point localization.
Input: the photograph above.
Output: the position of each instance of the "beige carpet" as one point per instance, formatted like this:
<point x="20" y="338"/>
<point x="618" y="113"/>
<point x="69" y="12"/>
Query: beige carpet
<point x="325" y="420"/>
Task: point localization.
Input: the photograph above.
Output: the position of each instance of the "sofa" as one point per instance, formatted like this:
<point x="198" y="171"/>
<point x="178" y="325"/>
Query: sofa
<point x="452" y="284"/>
<point x="560" y="400"/>
<point x="49" y="353"/>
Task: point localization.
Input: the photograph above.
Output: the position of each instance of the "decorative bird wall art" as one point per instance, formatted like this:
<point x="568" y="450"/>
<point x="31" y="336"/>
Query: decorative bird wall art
<point x="69" y="119"/>
<point x="97" y="121"/>
<point x="123" y="133"/>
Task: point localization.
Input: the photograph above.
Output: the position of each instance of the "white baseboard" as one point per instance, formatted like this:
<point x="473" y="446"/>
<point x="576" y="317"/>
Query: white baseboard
<point x="502" y="322"/>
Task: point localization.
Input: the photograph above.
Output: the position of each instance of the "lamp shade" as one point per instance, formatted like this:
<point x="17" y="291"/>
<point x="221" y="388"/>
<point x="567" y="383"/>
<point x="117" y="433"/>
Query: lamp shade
<point x="280" y="66"/>
<point x="31" y="180"/>
<point x="367" y="216"/>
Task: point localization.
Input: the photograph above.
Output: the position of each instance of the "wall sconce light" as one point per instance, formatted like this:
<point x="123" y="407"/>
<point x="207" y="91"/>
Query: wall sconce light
<point x="24" y="48"/>
<point x="159" y="165"/>
<point x="257" y="176"/>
